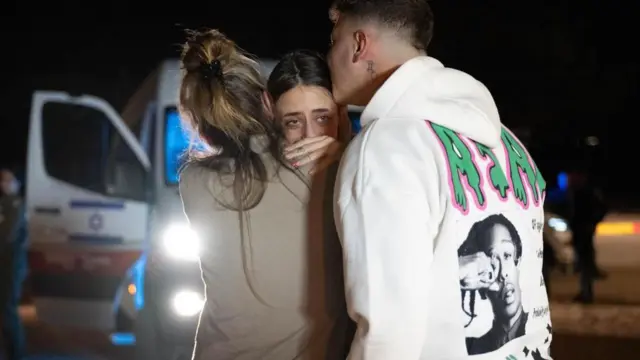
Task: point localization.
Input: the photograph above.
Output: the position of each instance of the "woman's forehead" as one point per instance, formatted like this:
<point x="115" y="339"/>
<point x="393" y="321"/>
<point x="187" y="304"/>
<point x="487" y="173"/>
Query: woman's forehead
<point x="306" y="98"/>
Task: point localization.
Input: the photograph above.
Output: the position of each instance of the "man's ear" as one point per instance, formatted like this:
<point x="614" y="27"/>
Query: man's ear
<point x="267" y="102"/>
<point x="361" y="45"/>
<point x="334" y="15"/>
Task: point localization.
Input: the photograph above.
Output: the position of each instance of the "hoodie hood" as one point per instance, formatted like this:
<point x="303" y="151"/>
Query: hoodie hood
<point x="424" y="89"/>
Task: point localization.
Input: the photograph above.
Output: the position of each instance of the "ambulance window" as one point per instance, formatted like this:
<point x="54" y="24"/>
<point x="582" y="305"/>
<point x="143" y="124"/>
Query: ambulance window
<point x="83" y="148"/>
<point x="125" y="176"/>
<point x="177" y="141"/>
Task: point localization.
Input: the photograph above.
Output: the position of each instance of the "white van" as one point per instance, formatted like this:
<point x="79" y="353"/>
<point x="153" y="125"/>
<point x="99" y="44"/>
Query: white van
<point x="108" y="237"/>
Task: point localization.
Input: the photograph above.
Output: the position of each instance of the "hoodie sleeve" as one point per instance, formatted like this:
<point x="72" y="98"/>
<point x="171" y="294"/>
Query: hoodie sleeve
<point x="388" y="245"/>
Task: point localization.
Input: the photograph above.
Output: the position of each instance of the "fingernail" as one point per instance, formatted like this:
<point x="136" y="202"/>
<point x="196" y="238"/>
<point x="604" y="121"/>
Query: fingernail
<point x="295" y="164"/>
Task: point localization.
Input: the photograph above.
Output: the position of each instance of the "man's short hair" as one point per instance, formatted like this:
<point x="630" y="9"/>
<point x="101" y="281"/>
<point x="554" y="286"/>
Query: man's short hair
<point x="413" y="16"/>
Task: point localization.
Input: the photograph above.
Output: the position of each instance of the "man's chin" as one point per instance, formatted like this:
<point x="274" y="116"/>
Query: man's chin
<point x="511" y="310"/>
<point x="343" y="99"/>
<point x="340" y="101"/>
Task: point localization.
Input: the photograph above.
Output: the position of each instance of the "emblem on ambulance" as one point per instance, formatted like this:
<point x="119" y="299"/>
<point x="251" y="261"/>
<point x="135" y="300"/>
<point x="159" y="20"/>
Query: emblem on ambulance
<point x="96" y="222"/>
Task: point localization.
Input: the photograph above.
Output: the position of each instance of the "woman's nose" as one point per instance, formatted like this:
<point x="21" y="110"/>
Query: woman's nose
<point x="312" y="130"/>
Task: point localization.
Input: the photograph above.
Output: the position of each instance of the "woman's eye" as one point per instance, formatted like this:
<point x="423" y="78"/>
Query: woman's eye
<point x="291" y="123"/>
<point x="323" y="119"/>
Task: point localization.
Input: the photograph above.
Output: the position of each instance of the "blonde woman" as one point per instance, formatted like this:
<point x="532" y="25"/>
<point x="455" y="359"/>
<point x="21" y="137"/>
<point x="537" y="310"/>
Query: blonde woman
<point x="271" y="261"/>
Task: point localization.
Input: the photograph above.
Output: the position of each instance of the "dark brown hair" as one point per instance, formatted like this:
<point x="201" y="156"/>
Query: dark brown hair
<point x="299" y="67"/>
<point x="221" y="100"/>
<point x="412" y="16"/>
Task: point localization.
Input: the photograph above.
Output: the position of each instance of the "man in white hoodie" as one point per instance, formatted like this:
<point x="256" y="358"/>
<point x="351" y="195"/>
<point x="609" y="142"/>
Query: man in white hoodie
<point x="438" y="206"/>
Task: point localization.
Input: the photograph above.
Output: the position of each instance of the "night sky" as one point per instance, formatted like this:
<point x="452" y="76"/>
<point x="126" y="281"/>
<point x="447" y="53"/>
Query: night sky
<point x="561" y="72"/>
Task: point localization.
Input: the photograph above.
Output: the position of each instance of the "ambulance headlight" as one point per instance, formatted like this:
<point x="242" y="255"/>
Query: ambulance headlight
<point x="187" y="303"/>
<point x="181" y="242"/>
<point x="558" y="224"/>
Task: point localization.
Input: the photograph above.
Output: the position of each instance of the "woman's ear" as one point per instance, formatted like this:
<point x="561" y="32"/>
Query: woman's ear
<point x="267" y="102"/>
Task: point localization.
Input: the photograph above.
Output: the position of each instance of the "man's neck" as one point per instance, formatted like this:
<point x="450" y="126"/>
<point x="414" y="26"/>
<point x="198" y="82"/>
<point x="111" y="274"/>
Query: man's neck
<point x="509" y="322"/>
<point x="383" y="67"/>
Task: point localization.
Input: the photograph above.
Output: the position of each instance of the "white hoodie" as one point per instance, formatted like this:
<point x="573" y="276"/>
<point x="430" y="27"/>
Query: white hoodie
<point x="432" y="183"/>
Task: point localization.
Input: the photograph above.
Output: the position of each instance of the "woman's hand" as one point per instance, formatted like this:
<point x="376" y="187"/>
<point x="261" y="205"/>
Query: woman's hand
<point x="324" y="150"/>
<point x="477" y="271"/>
<point x="321" y="150"/>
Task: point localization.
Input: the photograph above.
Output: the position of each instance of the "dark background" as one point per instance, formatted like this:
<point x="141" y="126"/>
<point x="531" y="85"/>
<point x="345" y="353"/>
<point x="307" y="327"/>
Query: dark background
<point x="560" y="71"/>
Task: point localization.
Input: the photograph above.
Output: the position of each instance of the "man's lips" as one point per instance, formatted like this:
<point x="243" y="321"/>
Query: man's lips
<point x="507" y="290"/>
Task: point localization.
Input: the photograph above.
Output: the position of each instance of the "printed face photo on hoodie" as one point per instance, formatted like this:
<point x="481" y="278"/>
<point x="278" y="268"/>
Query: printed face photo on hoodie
<point x="497" y="238"/>
<point x="502" y="250"/>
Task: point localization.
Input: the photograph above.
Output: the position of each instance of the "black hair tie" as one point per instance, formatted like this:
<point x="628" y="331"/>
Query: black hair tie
<point x="211" y="70"/>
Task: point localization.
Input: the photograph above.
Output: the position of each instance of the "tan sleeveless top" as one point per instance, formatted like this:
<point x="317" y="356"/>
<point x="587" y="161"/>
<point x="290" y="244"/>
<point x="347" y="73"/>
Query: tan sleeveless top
<point x="276" y="291"/>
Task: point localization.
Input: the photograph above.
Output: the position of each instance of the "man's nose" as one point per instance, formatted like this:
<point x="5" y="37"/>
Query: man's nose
<point x="501" y="274"/>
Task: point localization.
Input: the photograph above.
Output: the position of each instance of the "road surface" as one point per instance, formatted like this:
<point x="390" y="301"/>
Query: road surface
<point x="599" y="332"/>
<point x="610" y="329"/>
<point x="46" y="343"/>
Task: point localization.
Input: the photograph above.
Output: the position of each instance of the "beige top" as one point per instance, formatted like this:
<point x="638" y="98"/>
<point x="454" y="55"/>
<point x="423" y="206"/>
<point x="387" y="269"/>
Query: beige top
<point x="276" y="292"/>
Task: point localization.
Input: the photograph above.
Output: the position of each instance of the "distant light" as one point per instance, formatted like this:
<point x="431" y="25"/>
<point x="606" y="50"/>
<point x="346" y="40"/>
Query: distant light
<point x="563" y="181"/>
<point x="557" y="224"/>
<point x="132" y="289"/>
<point x="592" y="141"/>
<point x="123" y="339"/>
